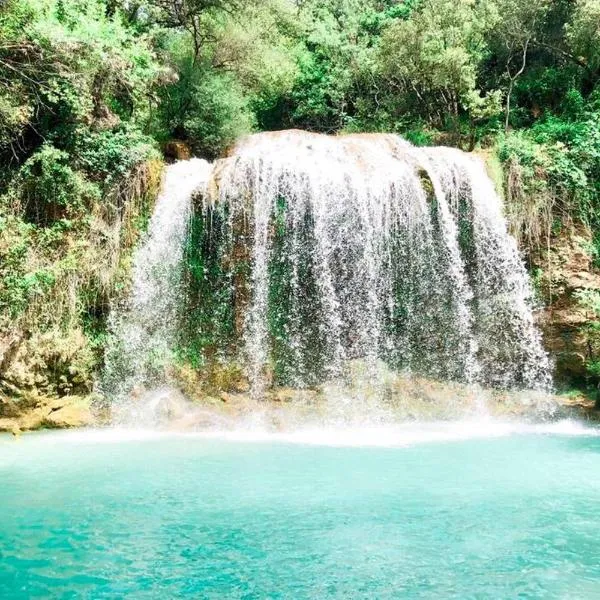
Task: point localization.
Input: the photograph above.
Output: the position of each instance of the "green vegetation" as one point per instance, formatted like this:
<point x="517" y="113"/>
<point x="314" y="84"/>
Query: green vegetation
<point x="90" y="90"/>
<point x="589" y="301"/>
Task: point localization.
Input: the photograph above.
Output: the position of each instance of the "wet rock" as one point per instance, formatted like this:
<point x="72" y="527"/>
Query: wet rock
<point x="40" y="412"/>
<point x="8" y="425"/>
<point x="76" y="413"/>
<point x="177" y="150"/>
<point x="286" y="395"/>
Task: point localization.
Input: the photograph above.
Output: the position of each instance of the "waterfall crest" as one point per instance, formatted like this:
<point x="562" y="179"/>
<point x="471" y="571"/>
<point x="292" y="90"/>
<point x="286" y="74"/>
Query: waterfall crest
<point x="363" y="247"/>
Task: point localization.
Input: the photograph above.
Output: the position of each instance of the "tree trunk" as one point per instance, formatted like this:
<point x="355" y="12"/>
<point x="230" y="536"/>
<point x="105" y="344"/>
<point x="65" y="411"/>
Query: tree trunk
<point x="507" y="109"/>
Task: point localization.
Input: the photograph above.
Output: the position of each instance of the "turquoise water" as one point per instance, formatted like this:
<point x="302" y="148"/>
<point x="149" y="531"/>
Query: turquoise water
<point x="100" y="515"/>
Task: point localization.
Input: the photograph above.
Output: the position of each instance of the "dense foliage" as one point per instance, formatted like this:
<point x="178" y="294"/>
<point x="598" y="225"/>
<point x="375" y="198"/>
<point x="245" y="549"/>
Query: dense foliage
<point x="91" y="89"/>
<point x="101" y="80"/>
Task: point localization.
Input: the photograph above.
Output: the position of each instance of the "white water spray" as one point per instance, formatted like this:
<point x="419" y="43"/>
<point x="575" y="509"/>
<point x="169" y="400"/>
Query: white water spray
<point x="346" y="260"/>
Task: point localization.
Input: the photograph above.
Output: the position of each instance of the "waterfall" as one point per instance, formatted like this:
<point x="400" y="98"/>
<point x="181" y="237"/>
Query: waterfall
<point x="365" y="248"/>
<point x="144" y="327"/>
<point x="319" y="261"/>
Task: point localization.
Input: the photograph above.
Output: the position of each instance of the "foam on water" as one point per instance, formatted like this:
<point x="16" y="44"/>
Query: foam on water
<point x="395" y="436"/>
<point x="386" y="436"/>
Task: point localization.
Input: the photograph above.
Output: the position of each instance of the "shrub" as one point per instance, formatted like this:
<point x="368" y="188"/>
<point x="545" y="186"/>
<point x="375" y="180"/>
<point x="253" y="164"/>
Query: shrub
<point x="47" y="188"/>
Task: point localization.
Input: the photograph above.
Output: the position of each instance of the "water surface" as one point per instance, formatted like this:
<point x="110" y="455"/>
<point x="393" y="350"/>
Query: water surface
<point x="494" y="513"/>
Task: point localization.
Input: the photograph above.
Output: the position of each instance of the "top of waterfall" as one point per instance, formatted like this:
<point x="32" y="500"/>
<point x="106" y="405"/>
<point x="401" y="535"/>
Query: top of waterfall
<point x="188" y="176"/>
<point x="355" y="155"/>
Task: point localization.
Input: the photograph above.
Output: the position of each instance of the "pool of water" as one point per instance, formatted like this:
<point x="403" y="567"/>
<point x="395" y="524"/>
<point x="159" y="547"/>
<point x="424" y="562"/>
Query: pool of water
<point x="421" y="512"/>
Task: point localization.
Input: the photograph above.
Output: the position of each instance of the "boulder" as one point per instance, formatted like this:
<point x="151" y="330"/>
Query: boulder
<point x="40" y="412"/>
<point x="75" y="413"/>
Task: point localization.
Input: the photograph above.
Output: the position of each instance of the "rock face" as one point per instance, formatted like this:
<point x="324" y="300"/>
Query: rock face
<point x="51" y="363"/>
<point x="177" y="150"/>
<point x="32" y="411"/>
<point x="45" y="381"/>
<point x="565" y="272"/>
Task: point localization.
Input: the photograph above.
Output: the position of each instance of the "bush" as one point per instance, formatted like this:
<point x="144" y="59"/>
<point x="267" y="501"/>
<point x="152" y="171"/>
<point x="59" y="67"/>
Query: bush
<point x="553" y="172"/>
<point x="47" y="188"/>
<point x="219" y="114"/>
<point x="107" y="156"/>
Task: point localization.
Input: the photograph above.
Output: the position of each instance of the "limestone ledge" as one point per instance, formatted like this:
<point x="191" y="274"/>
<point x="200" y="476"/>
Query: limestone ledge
<point x="39" y="412"/>
<point x="284" y="408"/>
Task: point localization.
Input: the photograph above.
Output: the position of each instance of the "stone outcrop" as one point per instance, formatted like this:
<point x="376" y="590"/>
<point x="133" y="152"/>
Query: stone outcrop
<point x="31" y="411"/>
<point x="177" y="150"/>
<point x="53" y="363"/>
<point x="565" y="271"/>
<point x="45" y="381"/>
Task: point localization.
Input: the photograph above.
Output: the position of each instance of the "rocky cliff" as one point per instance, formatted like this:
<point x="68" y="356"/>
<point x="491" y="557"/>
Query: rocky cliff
<point x="568" y="281"/>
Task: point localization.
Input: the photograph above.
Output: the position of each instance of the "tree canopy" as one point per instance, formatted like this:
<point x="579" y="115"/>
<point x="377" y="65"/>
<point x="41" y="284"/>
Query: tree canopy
<point x="210" y="70"/>
<point x="97" y="85"/>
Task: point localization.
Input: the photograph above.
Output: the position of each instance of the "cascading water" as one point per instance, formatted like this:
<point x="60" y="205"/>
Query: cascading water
<point x="503" y="294"/>
<point x="144" y="328"/>
<point x="365" y="248"/>
<point x="327" y="261"/>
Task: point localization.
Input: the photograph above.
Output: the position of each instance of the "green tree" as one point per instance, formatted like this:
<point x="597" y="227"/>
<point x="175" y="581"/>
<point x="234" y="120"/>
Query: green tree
<point x="583" y="39"/>
<point x="430" y="62"/>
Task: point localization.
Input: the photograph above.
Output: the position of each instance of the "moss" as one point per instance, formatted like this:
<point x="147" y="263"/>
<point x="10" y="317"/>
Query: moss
<point x="426" y="184"/>
<point x="211" y="290"/>
<point x="495" y="170"/>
